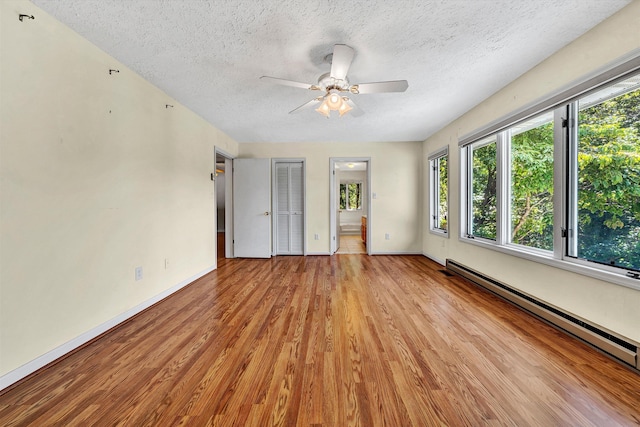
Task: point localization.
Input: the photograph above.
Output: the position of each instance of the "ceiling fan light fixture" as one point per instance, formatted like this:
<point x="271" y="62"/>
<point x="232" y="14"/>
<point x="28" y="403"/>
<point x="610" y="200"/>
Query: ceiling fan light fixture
<point x="324" y="108"/>
<point x="345" y="107"/>
<point x="334" y="100"/>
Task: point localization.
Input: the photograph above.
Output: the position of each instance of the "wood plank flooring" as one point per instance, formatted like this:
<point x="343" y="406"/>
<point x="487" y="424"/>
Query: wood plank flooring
<point x="351" y="244"/>
<point x="348" y="340"/>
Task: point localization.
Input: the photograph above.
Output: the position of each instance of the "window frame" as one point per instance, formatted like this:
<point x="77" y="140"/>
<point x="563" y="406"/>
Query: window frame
<point x="564" y="107"/>
<point x="434" y="191"/>
<point x="508" y="185"/>
<point x="571" y="221"/>
<point x="466" y="195"/>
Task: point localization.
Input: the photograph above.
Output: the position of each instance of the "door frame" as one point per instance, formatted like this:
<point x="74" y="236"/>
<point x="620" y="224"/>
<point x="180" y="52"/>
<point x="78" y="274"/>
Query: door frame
<point x="228" y="204"/>
<point x="333" y="199"/>
<point x="274" y="222"/>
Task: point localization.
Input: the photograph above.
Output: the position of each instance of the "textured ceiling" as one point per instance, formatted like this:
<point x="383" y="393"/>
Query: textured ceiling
<point x="209" y="55"/>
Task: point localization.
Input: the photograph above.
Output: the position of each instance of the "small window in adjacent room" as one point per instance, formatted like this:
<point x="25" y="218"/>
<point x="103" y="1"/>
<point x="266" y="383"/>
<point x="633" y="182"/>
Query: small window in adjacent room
<point x="351" y="196"/>
<point x="439" y="191"/>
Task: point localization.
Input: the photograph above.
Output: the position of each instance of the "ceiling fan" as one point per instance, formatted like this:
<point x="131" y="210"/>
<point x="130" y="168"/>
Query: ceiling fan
<point x="335" y="86"/>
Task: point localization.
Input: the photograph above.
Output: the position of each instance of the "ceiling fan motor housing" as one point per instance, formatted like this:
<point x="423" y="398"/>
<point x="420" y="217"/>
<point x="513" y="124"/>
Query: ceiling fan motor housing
<point x="326" y="82"/>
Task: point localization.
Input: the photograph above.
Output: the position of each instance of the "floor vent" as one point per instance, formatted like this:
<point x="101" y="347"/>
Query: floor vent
<point x="615" y="345"/>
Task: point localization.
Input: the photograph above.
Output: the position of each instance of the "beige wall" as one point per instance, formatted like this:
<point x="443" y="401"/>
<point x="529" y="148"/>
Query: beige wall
<point x="396" y="177"/>
<point x="98" y="177"/>
<point x="612" y="306"/>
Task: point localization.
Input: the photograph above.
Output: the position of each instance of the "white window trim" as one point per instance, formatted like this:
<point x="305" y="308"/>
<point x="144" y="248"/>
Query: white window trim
<point x="466" y="179"/>
<point x="434" y="191"/>
<point x="575" y="266"/>
<point x="570" y="113"/>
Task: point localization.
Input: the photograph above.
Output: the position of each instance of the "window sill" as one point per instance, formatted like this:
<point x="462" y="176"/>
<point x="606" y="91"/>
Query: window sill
<point x="441" y="233"/>
<point x="542" y="257"/>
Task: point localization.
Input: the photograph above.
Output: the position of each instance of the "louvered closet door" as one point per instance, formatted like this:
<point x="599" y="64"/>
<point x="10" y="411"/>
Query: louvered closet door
<point x="289" y="208"/>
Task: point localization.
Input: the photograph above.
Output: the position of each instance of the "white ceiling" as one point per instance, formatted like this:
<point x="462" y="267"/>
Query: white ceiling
<point x="209" y="55"/>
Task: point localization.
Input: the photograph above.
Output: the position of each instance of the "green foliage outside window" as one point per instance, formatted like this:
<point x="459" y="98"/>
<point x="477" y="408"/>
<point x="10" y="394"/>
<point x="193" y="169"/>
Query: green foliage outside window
<point x="442" y="193"/>
<point x="609" y="182"/>
<point x="484" y="191"/>
<point x="532" y="187"/>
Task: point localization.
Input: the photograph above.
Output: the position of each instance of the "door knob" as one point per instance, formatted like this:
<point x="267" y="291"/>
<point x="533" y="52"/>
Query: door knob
<point x="266" y="213"/>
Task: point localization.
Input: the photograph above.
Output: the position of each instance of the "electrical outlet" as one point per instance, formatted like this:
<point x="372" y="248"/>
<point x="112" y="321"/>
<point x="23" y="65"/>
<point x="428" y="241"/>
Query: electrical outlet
<point x="387" y="236"/>
<point x="374" y="195"/>
<point x="316" y="236"/>
<point x="138" y="273"/>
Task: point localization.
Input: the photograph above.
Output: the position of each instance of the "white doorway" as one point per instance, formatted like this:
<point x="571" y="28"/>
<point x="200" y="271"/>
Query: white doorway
<point x="350" y="200"/>
<point x="223" y="226"/>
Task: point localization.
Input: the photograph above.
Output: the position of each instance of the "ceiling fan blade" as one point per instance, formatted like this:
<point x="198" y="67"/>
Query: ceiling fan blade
<point x="304" y="106"/>
<point x="380" y="87"/>
<point x="291" y="83"/>
<point x="341" y="61"/>
<point x="355" y="110"/>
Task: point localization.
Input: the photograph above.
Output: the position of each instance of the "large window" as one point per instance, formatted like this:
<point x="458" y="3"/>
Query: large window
<point x="562" y="185"/>
<point x="351" y="196"/>
<point x="439" y="190"/>
<point x="605" y="227"/>
<point x="531" y="183"/>
<point x="483" y="189"/>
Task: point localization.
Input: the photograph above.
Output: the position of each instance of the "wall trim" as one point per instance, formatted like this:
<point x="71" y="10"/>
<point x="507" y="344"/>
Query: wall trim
<point x="438" y="260"/>
<point x="397" y="253"/>
<point x="52" y="356"/>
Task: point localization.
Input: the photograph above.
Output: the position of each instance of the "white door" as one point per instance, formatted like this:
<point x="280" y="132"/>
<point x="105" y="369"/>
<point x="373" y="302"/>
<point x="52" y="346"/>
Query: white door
<point x="251" y="208"/>
<point x="289" y="208"/>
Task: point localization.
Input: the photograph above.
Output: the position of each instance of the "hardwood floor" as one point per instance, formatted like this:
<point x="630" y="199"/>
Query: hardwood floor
<point x="330" y="341"/>
<point x="351" y="244"/>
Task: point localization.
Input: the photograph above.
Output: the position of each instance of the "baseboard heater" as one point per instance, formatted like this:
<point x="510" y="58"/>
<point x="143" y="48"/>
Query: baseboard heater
<point x="621" y="348"/>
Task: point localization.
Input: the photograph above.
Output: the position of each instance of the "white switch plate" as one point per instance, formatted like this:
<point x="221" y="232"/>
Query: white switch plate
<point x="138" y="273"/>
<point x="316" y="236"/>
<point x="387" y="236"/>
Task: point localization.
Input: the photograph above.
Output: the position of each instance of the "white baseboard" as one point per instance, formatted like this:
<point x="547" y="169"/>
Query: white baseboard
<point x="438" y="260"/>
<point x="39" y="362"/>
<point x="318" y="253"/>
<point x="396" y="253"/>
